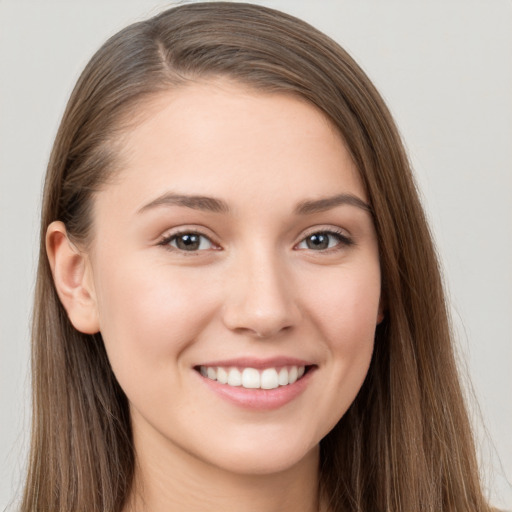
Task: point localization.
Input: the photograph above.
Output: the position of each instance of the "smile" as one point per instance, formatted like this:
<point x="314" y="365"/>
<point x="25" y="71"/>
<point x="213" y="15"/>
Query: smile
<point x="252" y="378"/>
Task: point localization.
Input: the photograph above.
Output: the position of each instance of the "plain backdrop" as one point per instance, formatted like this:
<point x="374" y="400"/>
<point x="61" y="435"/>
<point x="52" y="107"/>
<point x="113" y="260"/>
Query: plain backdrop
<point x="445" y="69"/>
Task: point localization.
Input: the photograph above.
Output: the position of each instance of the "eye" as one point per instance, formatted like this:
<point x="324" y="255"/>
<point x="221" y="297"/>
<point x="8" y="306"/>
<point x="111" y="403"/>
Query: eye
<point x="188" y="241"/>
<point x="324" y="240"/>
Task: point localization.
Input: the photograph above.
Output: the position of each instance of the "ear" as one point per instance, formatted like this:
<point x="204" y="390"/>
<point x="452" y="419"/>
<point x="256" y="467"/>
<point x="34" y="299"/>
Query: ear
<point x="72" y="277"/>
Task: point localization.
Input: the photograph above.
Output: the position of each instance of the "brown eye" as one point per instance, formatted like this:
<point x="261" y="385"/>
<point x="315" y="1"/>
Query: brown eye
<point x="318" y="241"/>
<point x="189" y="242"/>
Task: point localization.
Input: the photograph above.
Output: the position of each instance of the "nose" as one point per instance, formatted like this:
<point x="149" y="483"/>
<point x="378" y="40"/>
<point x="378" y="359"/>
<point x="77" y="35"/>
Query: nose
<point x="260" y="299"/>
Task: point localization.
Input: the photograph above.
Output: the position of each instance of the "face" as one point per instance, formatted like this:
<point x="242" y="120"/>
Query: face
<point x="236" y="277"/>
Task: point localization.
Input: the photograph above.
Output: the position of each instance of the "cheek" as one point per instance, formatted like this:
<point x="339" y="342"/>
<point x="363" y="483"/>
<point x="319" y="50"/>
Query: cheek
<point x="345" y="311"/>
<point x="151" y="313"/>
<point x="345" y="307"/>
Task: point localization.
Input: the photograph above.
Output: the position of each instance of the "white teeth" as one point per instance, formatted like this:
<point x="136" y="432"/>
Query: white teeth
<point x="222" y="375"/>
<point x="234" y="377"/>
<point x="269" y="379"/>
<point x="282" y="379"/>
<point x="250" y="378"/>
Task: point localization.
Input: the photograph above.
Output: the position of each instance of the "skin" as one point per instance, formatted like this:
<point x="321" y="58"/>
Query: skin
<point x="255" y="287"/>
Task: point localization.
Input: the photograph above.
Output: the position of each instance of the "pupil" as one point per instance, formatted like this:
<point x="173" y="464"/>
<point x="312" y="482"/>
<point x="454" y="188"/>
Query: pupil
<point x="188" y="242"/>
<point x="318" y="241"/>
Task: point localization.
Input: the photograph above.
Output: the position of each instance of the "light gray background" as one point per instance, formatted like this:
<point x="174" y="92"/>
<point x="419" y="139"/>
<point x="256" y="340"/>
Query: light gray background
<point x="445" y="69"/>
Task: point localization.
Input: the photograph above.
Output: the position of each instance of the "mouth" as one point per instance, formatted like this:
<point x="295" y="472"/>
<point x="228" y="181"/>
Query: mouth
<point x="255" y="378"/>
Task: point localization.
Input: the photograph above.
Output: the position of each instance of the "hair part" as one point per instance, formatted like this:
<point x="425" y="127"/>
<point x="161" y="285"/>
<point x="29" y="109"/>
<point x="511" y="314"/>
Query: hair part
<point x="405" y="443"/>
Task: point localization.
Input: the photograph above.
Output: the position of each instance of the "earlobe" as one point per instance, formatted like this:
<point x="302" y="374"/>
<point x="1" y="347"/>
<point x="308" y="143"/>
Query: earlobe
<point x="71" y="276"/>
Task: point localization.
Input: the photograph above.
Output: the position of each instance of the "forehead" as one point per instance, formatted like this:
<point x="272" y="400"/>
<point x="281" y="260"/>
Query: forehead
<point x="224" y="139"/>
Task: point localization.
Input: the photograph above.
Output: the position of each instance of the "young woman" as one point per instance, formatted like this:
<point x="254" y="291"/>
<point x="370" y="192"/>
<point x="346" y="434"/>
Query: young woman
<point x="238" y="303"/>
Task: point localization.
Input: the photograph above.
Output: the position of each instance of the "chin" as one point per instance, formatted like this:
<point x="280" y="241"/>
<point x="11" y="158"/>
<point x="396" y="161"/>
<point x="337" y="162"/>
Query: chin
<point x="255" y="459"/>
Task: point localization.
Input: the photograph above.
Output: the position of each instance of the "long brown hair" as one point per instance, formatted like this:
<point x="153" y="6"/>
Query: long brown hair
<point x="405" y="444"/>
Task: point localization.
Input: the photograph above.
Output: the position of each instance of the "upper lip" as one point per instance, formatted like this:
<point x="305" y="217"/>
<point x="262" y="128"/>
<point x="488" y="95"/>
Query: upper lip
<point x="258" y="363"/>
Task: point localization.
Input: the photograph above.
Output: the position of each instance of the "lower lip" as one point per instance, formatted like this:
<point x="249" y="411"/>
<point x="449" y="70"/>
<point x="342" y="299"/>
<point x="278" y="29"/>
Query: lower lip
<point x="259" y="399"/>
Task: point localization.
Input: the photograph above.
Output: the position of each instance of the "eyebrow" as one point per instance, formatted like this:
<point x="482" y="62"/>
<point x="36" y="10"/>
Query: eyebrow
<point x="211" y="204"/>
<point x="327" y="203"/>
<point x="203" y="203"/>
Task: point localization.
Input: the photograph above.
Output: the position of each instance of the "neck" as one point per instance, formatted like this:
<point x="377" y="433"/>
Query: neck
<point x="172" y="481"/>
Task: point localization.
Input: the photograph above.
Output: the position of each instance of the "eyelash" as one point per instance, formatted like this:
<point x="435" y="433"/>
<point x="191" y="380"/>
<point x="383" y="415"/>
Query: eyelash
<point x="166" y="241"/>
<point x="343" y="241"/>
